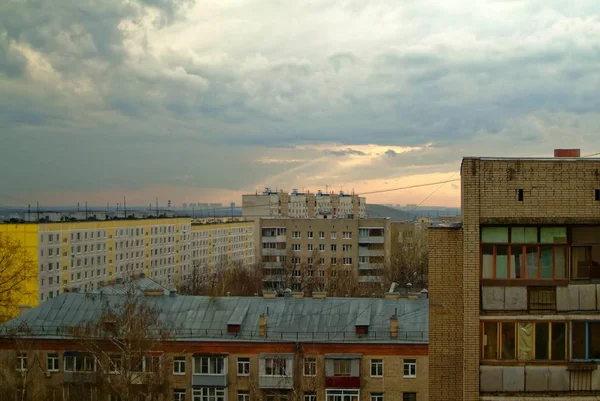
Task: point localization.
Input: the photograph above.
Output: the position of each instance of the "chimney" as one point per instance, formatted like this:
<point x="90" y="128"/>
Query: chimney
<point x="119" y="280"/>
<point x="23" y="309"/>
<point x="394" y="326"/>
<point x="319" y="294"/>
<point x="298" y="294"/>
<point x="560" y="153"/>
<point x="154" y="293"/>
<point x="269" y="294"/>
<point x="262" y="325"/>
<point x="142" y="275"/>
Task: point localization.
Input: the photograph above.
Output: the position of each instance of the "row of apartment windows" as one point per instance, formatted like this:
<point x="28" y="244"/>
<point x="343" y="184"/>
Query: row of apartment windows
<point x="206" y="365"/>
<point x="309" y="260"/>
<point x="540" y="341"/>
<point x="333" y="235"/>
<point x="540" y="253"/>
<point x="218" y="394"/>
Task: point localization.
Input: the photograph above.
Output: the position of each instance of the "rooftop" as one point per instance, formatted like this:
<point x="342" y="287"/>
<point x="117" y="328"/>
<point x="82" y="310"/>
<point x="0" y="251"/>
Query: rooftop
<point x="199" y="318"/>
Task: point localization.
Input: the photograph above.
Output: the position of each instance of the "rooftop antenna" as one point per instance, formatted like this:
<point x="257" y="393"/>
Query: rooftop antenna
<point x="86" y="210"/>
<point x="38" y="211"/>
<point x="124" y="207"/>
<point x="157" y="207"/>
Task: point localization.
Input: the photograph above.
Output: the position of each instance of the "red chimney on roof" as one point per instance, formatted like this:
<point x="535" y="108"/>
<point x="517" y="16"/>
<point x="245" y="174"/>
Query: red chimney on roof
<point x="567" y="152"/>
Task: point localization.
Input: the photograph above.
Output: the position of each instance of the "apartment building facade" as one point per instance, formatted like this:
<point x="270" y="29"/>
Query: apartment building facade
<point x="300" y="205"/>
<point x="229" y="349"/>
<point x="316" y="250"/>
<point x="83" y="254"/>
<point x="515" y="286"/>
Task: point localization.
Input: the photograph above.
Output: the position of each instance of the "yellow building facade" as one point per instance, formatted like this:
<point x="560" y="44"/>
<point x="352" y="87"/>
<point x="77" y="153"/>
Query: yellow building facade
<point x="86" y="254"/>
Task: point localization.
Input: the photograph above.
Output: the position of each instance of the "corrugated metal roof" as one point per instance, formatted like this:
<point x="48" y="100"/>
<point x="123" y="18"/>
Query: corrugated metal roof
<point x="204" y="318"/>
<point x="141" y="284"/>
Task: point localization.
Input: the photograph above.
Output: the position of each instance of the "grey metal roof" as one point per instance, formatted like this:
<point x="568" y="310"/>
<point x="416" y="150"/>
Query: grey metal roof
<point x="141" y="284"/>
<point x="199" y="318"/>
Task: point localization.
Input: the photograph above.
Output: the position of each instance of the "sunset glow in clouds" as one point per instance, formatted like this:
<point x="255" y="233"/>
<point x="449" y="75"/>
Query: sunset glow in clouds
<point x="203" y="101"/>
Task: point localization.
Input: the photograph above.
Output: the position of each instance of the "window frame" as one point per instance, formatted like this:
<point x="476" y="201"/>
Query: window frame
<point x="376" y="368"/>
<point x="178" y="363"/>
<point x="274" y="367"/>
<point x="309" y="367"/>
<point x="518" y="324"/>
<point x="338" y="364"/>
<point x="411" y="364"/>
<point x="53" y="357"/>
<point x="21" y="362"/>
<point x="243" y="363"/>
<point x="586" y="341"/>
<point x="525" y="245"/>
<point x="178" y="392"/>
<point x="198" y="359"/>
<point x="218" y="394"/>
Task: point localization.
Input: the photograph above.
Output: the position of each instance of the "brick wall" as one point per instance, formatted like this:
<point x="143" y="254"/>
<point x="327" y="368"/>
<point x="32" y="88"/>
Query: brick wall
<point x="553" y="190"/>
<point x="445" y="314"/>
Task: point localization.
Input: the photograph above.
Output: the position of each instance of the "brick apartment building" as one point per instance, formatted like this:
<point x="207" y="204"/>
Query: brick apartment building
<point x="514" y="296"/>
<point x="306" y="253"/>
<point x="232" y="348"/>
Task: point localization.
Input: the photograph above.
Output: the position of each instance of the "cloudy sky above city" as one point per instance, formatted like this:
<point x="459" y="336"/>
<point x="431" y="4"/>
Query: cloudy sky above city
<point x="196" y="100"/>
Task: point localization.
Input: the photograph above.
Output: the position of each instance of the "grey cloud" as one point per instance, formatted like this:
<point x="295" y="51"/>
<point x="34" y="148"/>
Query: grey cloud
<point x="345" y="152"/>
<point x="403" y="85"/>
<point x="391" y="153"/>
<point x="12" y="63"/>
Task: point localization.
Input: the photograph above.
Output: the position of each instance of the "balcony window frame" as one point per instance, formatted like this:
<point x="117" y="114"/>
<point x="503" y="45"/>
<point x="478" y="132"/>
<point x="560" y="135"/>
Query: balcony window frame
<point x="489" y="251"/>
<point x="197" y="365"/>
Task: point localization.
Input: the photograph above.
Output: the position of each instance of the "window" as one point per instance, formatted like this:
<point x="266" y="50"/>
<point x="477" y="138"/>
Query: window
<point x="310" y="247"/>
<point x="209" y="394"/>
<point x="333" y="235"/>
<point x="296" y="247"/>
<point x="541" y="298"/>
<point x="376" y="367"/>
<point x="346" y="247"/>
<point x="322" y="247"/>
<point x="321" y="234"/>
<point x="310" y="367"/>
<point x="310" y="397"/>
<point x="179" y="365"/>
<point x="342" y="367"/>
<point x="523" y="252"/>
<point x="585" y="339"/>
<point x="209" y="365"/>
<point x="347" y="234"/>
<point x="333" y="247"/>
<point x="243" y="395"/>
<point x="275" y="367"/>
<point x="376" y="396"/>
<point x="243" y="366"/>
<point x="520" y="195"/>
<point x="409" y="396"/>
<point x="79" y="363"/>
<point x="52" y="362"/>
<point x="347" y="261"/>
<point x="116" y="364"/>
<point x="540" y="341"/>
<point x="410" y="368"/>
<point x="296" y="234"/>
<point x="310" y="235"/>
<point x="21" y="364"/>
<point x="342" y="395"/>
<point x="179" y="395"/>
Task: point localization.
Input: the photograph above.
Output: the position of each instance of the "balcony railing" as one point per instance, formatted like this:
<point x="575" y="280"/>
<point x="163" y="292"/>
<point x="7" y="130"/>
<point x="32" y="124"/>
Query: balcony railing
<point x="362" y="251"/>
<point x="370" y="240"/>
<point x="277" y="382"/>
<point x="209" y="380"/>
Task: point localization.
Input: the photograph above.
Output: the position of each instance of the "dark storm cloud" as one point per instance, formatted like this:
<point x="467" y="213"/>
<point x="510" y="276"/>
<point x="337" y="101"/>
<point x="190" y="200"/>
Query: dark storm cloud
<point x="216" y="79"/>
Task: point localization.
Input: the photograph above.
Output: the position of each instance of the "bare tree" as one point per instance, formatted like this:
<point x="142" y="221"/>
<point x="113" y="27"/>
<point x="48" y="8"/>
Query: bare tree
<point x="17" y="271"/>
<point x="233" y="279"/>
<point x="408" y="259"/>
<point x="125" y="346"/>
<point x="21" y="368"/>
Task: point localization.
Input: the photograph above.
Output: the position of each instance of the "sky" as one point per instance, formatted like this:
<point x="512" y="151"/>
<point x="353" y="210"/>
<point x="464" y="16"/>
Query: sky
<point x="202" y="101"/>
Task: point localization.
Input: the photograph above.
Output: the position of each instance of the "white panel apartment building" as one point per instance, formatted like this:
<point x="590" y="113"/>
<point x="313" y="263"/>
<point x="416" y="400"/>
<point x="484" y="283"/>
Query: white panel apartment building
<point x="302" y="205"/>
<point x="82" y="255"/>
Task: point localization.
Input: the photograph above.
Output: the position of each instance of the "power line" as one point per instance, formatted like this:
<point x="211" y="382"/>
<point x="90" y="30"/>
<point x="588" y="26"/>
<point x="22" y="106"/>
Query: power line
<point x="408" y="187"/>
